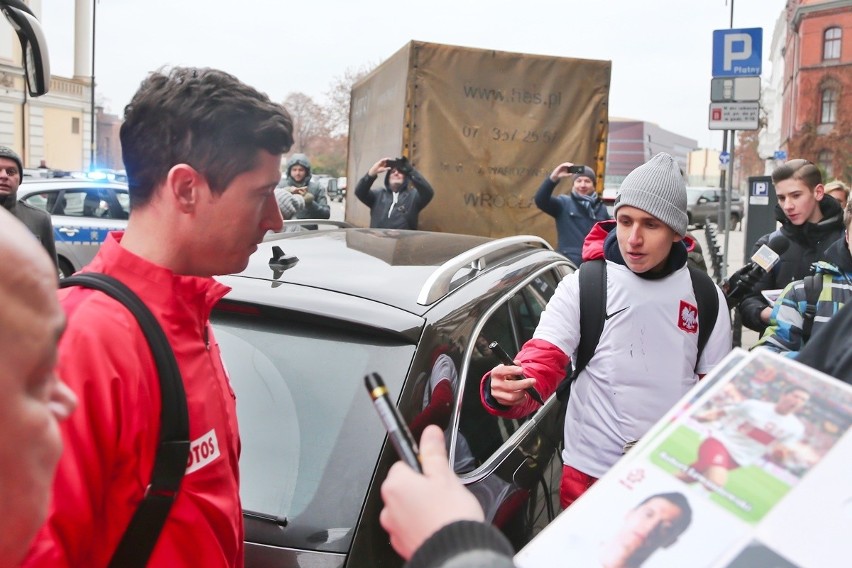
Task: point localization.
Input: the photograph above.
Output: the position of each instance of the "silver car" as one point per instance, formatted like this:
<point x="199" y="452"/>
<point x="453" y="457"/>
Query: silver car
<point x="83" y="213"/>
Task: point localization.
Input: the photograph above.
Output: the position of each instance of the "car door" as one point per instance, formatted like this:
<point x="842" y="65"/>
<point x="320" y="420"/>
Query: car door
<point x="505" y="462"/>
<point x="82" y="219"/>
<point x="707" y="206"/>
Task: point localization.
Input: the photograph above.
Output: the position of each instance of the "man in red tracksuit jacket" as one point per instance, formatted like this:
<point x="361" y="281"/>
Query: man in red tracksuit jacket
<point x="203" y="154"/>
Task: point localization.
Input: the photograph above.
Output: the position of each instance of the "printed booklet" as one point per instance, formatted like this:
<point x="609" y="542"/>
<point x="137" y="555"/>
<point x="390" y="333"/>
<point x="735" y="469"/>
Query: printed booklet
<point x="750" y="469"/>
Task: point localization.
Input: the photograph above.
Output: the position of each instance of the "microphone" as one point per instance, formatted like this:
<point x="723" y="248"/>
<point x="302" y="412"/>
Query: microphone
<point x="743" y="280"/>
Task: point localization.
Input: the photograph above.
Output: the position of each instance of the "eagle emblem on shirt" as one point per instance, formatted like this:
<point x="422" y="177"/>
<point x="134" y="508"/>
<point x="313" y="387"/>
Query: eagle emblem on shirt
<point x="688" y="317"/>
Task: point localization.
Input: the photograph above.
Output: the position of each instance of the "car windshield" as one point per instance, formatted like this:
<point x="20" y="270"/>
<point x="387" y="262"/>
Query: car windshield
<point x="310" y="436"/>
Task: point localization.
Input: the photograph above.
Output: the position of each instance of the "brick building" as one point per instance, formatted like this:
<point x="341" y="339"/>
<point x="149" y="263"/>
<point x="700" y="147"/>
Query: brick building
<point x="816" y="118"/>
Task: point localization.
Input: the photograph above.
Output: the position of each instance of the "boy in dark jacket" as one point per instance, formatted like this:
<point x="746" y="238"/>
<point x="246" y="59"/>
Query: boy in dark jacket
<point x="810" y="220"/>
<point x="785" y="333"/>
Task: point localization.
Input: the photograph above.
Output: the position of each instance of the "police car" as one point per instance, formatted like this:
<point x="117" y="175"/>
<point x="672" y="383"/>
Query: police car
<point x="83" y="212"/>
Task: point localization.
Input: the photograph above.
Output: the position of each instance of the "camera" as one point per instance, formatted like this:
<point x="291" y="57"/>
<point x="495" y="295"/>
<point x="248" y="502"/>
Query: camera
<point x="399" y="164"/>
<point x="576" y="169"/>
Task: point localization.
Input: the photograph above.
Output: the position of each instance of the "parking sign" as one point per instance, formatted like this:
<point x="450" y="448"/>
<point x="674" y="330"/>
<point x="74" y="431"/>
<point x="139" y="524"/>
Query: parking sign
<point x="737" y="53"/>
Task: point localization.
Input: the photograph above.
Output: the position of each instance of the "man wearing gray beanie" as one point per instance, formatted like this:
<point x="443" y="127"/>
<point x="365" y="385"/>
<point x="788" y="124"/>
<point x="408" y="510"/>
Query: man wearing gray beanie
<point x="575" y="213"/>
<point x="647" y="355"/>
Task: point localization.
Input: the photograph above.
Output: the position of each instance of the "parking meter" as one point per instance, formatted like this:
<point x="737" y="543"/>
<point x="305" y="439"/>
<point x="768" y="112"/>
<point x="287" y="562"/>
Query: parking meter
<point x="760" y="211"/>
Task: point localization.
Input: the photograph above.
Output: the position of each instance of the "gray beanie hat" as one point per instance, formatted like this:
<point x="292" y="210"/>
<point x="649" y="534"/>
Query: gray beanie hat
<point x="587" y="172"/>
<point x="6" y="152"/>
<point x="657" y="187"/>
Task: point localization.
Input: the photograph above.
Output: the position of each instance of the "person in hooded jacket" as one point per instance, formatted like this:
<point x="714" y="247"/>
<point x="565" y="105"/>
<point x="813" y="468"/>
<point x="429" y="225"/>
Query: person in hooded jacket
<point x="299" y="182"/>
<point x="647" y="356"/>
<point x="36" y="220"/>
<point x="575" y="213"/>
<point x="785" y="334"/>
<point x="397" y="205"/>
<point x="810" y="221"/>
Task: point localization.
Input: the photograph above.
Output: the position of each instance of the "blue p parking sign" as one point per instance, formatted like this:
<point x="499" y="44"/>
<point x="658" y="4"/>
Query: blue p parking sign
<point x="737" y="53"/>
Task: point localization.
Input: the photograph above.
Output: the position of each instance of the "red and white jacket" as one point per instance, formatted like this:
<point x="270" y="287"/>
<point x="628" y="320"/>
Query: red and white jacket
<point x="111" y="439"/>
<point x="644" y="362"/>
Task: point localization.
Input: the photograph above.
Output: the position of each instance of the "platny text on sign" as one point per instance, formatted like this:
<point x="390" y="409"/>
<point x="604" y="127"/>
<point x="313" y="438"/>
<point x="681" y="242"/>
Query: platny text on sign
<point x="737" y="53"/>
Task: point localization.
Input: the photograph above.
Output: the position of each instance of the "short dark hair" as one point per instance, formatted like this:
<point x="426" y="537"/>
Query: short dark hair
<point x="798" y="169"/>
<point x="204" y="117"/>
<point x="678" y="500"/>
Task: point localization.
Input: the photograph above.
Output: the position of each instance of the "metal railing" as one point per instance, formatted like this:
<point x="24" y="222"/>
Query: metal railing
<point x="477" y="259"/>
<point x="711" y="233"/>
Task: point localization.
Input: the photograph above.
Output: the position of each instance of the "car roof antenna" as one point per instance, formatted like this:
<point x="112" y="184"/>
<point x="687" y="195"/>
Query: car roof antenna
<point x="280" y="262"/>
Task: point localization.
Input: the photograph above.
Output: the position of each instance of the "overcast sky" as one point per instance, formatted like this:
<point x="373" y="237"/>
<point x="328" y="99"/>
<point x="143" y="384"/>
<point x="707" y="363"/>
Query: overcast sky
<point x="661" y="50"/>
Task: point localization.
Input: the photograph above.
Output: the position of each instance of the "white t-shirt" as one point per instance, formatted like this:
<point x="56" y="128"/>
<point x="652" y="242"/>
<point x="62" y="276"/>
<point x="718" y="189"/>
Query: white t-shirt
<point x="751" y="427"/>
<point x="644" y="362"/>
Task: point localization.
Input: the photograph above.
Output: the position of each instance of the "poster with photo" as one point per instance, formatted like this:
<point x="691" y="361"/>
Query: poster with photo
<point x="760" y="455"/>
<point x="635" y="519"/>
<point x="751" y="438"/>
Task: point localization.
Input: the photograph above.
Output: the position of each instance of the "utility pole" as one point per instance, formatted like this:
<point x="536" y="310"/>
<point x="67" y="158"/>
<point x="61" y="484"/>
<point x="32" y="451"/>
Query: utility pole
<point x="92" y="102"/>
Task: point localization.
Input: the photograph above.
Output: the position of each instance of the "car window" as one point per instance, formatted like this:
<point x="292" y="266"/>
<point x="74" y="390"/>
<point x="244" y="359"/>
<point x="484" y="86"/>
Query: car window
<point x="41" y="200"/>
<point x="310" y="438"/>
<point x="123" y="200"/>
<point x="479" y="433"/>
<point x="84" y="203"/>
<point x="711" y="196"/>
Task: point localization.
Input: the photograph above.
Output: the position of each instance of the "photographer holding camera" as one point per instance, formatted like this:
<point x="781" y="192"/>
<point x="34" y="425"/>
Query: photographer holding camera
<point x="576" y="212"/>
<point x="398" y="204"/>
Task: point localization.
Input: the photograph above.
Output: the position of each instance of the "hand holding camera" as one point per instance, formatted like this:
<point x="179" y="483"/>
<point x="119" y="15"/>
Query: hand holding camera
<point x="401" y="165"/>
<point x="564" y="170"/>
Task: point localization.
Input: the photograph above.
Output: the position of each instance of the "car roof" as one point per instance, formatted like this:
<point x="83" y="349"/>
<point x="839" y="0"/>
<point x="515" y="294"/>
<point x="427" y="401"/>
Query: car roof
<point x="29" y="186"/>
<point x="407" y="270"/>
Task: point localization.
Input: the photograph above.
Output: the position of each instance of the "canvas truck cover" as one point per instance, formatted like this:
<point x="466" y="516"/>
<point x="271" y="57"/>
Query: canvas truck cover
<point x="484" y="127"/>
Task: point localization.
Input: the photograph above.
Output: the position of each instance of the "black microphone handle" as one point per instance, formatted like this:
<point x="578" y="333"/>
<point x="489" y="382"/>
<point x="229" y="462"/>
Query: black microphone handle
<point x="739" y="288"/>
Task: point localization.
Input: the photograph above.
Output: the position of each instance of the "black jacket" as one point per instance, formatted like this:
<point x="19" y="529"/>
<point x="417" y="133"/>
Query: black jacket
<point x="410" y="201"/>
<point x="36" y="220"/>
<point x="807" y="244"/>
<point x="830" y="348"/>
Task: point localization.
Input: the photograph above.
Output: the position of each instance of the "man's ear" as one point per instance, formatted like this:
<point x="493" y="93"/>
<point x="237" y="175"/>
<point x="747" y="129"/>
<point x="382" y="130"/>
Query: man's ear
<point x="183" y="183"/>
<point x="819" y="192"/>
<point x="676" y="238"/>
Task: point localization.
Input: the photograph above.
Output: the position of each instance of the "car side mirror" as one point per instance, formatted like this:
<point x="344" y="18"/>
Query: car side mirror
<point x="33" y="45"/>
<point x="702" y="200"/>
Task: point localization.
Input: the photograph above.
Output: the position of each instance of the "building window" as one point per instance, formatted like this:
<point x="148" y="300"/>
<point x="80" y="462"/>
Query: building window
<point x="824" y="160"/>
<point x="829" y="107"/>
<point x="831" y="44"/>
<point x="75" y="125"/>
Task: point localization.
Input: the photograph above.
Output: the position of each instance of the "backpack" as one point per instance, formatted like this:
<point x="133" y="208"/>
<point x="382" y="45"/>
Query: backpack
<point x="592" y="277"/>
<point x="147" y="522"/>
<point x="813" y="288"/>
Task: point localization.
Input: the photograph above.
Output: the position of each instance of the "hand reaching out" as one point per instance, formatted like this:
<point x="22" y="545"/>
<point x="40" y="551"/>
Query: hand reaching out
<point x="417" y="506"/>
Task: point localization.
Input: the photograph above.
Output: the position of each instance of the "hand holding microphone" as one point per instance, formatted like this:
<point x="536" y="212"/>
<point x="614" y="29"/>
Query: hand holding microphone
<point x="742" y="281"/>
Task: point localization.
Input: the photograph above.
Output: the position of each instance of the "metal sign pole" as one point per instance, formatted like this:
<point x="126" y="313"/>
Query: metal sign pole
<point x="727" y="197"/>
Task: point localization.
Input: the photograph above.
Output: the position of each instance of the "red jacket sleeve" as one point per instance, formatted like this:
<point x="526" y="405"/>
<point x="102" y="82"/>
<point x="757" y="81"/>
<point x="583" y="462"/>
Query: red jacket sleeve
<point x="541" y="360"/>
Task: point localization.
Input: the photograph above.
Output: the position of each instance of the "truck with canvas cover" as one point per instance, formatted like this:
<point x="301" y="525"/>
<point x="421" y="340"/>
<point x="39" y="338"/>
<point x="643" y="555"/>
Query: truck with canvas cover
<point x="484" y="127"/>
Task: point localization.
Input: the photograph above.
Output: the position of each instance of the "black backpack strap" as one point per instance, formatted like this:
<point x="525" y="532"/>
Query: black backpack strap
<point x="147" y="522"/>
<point x="813" y="288"/>
<point x="592" y="277"/>
<point x="708" y="306"/>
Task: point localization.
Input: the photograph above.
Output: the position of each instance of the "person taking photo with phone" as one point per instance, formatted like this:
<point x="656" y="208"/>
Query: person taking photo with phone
<point x="576" y="212"/>
<point x="397" y="205"/>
